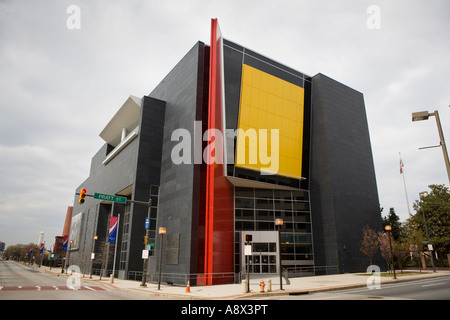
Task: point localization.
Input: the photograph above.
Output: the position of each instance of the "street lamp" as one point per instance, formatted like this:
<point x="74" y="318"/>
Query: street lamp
<point x="147" y="235"/>
<point x="68" y="257"/>
<point x="92" y="255"/>
<point x="388" y="228"/>
<point x="424" y="115"/>
<point x="424" y="193"/>
<point x="279" y="223"/>
<point x="162" y="232"/>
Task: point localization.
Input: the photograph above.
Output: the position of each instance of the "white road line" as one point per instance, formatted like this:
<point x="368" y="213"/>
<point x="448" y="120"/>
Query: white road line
<point x="394" y="285"/>
<point x="89" y="288"/>
<point x="433" y="284"/>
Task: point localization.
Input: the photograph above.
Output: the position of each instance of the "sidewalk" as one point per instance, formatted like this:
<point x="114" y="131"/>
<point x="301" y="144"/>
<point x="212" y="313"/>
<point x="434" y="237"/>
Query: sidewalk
<point x="302" y="285"/>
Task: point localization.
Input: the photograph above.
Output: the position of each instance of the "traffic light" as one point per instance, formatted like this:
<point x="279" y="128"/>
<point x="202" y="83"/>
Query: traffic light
<point x="248" y="237"/>
<point x="82" y="196"/>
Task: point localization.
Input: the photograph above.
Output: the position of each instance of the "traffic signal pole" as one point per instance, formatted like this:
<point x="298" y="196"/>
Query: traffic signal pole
<point x="123" y="200"/>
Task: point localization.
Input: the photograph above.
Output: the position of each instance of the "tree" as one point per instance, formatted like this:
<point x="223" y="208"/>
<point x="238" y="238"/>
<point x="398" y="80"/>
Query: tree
<point x="385" y="249"/>
<point x="435" y="207"/>
<point x="414" y="237"/>
<point x="393" y="220"/>
<point x="401" y="252"/>
<point x="369" y="244"/>
<point x="20" y="252"/>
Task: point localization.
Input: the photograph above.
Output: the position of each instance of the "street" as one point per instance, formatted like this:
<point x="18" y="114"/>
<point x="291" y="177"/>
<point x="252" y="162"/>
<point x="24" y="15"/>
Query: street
<point x="425" y="289"/>
<point x="20" y="282"/>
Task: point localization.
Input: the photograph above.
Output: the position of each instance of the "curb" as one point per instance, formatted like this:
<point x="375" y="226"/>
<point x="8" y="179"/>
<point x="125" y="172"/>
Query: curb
<point x="249" y="295"/>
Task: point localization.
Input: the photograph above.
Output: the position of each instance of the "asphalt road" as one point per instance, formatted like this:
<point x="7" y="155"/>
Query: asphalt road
<point x="19" y="282"/>
<point x="425" y="289"/>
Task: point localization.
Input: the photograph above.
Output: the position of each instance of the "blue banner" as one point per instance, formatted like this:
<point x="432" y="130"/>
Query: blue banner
<point x="112" y="230"/>
<point x="66" y="241"/>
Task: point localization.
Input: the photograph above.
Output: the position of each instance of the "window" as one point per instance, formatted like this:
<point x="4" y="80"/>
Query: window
<point x="257" y="209"/>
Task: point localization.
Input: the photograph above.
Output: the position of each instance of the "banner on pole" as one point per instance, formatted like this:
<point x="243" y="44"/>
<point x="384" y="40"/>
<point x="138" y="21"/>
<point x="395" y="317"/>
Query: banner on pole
<point x="66" y="241"/>
<point x="112" y="230"/>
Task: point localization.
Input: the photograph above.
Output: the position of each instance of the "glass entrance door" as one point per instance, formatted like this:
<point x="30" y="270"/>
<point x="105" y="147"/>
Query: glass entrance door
<point x="263" y="263"/>
<point x="264" y="258"/>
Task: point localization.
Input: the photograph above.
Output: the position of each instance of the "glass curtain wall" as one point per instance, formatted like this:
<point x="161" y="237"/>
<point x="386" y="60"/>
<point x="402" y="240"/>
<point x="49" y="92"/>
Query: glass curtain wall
<point x="257" y="209"/>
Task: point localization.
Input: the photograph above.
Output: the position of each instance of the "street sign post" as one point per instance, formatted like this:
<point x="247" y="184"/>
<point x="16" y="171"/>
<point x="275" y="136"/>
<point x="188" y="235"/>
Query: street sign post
<point x="109" y="197"/>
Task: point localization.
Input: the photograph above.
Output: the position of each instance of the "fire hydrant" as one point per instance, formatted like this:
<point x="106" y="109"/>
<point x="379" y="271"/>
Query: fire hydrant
<point x="261" y="286"/>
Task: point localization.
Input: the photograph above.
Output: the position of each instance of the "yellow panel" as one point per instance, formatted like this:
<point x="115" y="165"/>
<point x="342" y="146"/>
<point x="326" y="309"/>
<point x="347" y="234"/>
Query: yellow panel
<point x="268" y="104"/>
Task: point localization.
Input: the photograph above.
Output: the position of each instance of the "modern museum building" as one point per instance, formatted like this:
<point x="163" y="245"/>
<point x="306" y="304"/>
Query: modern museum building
<point x="245" y="161"/>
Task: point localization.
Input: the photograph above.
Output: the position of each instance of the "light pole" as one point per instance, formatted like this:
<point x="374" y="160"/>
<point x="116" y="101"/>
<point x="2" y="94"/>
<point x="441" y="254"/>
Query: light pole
<point x="279" y="223"/>
<point x="92" y="255"/>
<point x="68" y="257"/>
<point x="162" y="232"/>
<point x="426" y="230"/>
<point x="147" y="234"/>
<point x="424" y="115"/>
<point x="248" y="253"/>
<point x="388" y="228"/>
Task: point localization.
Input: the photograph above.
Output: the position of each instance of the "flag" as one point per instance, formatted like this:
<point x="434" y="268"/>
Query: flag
<point x="112" y="230"/>
<point x="401" y="166"/>
<point x="66" y="241"/>
<point x="31" y="250"/>
<point x="41" y="249"/>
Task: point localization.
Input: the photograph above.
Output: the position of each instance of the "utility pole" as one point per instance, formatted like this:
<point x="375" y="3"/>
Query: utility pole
<point x="147" y="235"/>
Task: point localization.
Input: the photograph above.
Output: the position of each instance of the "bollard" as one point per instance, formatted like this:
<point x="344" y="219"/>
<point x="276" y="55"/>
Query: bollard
<point x="269" y="285"/>
<point x="261" y="286"/>
<point x="244" y="286"/>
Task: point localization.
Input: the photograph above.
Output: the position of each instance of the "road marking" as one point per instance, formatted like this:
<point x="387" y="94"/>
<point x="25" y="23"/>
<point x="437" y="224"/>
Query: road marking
<point x="433" y="284"/>
<point x="55" y="288"/>
<point x="89" y="288"/>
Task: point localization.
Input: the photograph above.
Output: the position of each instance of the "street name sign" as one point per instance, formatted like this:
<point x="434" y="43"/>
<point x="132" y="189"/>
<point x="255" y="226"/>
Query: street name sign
<point x="109" y="197"/>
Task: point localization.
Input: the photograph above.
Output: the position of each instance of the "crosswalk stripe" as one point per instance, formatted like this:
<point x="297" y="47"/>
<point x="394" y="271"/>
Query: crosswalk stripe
<point x="55" y="288"/>
<point x="90" y="288"/>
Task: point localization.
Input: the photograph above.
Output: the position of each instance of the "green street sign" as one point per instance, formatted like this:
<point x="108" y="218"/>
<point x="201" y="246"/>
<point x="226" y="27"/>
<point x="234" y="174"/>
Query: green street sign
<point x="109" y="197"/>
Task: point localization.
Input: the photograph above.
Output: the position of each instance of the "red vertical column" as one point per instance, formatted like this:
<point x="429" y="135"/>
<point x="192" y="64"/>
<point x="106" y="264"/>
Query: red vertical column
<point x="219" y="222"/>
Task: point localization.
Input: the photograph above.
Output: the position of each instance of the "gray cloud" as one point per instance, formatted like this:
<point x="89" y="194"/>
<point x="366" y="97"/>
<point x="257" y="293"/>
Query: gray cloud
<point x="60" y="87"/>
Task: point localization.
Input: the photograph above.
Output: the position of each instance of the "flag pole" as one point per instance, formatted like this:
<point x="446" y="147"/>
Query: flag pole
<point x="404" y="184"/>
<point x="115" y="249"/>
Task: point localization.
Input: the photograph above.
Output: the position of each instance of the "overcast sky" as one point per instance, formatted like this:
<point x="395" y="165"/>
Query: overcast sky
<point x="60" y="86"/>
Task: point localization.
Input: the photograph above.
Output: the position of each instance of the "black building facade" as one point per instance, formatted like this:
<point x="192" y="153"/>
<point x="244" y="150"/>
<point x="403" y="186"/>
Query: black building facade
<point x="326" y="194"/>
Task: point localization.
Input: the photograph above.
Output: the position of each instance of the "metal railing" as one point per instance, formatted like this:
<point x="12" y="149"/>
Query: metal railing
<point x="294" y="272"/>
<point x="230" y="277"/>
<point x="194" y="278"/>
